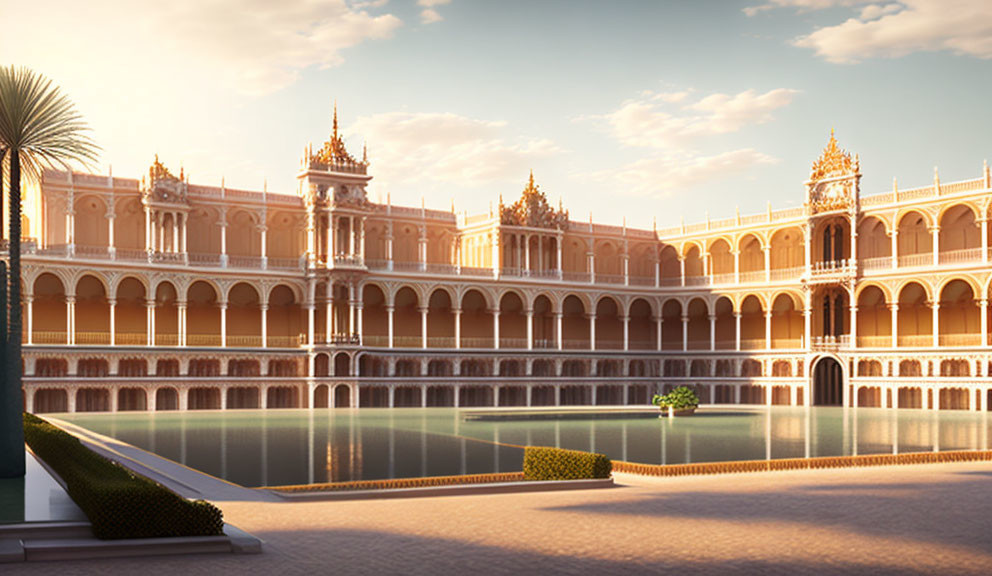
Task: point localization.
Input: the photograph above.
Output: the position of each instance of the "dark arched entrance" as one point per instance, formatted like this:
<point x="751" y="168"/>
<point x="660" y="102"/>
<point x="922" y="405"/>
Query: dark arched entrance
<point x="828" y="383"/>
<point x="342" y="396"/>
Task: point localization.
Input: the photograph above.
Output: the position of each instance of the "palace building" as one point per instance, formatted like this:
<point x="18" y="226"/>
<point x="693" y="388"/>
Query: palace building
<point x="160" y="294"/>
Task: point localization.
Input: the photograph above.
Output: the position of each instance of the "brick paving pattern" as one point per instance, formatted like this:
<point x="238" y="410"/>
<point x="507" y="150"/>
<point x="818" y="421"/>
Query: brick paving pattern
<point x="925" y="519"/>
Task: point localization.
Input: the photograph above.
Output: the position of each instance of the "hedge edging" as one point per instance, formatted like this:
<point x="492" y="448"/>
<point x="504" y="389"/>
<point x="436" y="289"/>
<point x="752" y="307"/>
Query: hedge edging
<point x="398" y="483"/>
<point x="743" y="466"/>
<point x="118" y="502"/>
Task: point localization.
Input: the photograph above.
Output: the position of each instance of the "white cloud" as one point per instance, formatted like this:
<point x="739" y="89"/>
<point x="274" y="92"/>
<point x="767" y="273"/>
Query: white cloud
<point x="429" y="15"/>
<point x="668" y="174"/>
<point x="667" y="120"/>
<point x="801" y="5"/>
<point x="442" y="148"/>
<point x="257" y="46"/>
<point x="893" y="30"/>
<point x="683" y="131"/>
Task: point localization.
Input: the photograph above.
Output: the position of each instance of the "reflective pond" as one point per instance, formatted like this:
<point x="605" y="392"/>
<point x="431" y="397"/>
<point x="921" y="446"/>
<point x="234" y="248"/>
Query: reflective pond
<point x="282" y="447"/>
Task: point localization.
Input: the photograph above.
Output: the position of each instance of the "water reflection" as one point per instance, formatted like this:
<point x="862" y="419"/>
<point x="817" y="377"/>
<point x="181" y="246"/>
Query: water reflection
<point x="270" y="448"/>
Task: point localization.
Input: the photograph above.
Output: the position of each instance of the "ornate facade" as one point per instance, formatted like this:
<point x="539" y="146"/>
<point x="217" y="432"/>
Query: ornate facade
<point x="161" y="294"/>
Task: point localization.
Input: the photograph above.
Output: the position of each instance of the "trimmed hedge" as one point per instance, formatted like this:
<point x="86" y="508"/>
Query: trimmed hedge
<point x="395" y="483"/>
<point x="818" y="463"/>
<point x="118" y="503"/>
<point x="560" y="464"/>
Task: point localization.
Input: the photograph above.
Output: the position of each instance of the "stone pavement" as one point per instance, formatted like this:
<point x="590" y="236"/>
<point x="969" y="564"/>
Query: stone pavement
<point x="925" y="519"/>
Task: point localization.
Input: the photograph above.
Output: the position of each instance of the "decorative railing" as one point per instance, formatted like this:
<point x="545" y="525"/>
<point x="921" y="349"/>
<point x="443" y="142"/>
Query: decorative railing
<point x="130" y="339"/>
<point x="285" y="341"/>
<point x="47" y="337"/>
<point x="779" y="274"/>
<point x="831" y="342"/>
<point x="349" y="260"/>
<point x="200" y="339"/>
<point x="93" y="338"/>
<point x="961" y="256"/>
<point x="914" y="260"/>
<point x="753" y="344"/>
<point x="874" y="341"/>
<point x="916" y="341"/>
<point x="163" y="339"/>
<point x="960" y="339"/>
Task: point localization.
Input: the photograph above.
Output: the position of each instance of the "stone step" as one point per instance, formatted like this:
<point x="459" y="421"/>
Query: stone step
<point x="86" y="548"/>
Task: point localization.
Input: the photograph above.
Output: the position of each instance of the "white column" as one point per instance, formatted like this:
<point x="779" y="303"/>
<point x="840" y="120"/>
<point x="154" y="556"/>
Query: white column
<point x="264" y="309"/>
<point x="530" y="328"/>
<point x="558" y="256"/>
<point x="112" y="303"/>
<point x="592" y="331"/>
<point x="184" y="237"/>
<point x="150" y="322"/>
<point x="685" y="332"/>
<point x="768" y="264"/>
<point x="558" y="335"/>
<point x="894" y="310"/>
<point x="526" y="238"/>
<point x="682" y="270"/>
<point x="329" y="313"/>
<point x="223" y="324"/>
<point x="175" y="232"/>
<point x="181" y="309"/>
<point x="936" y="324"/>
<point x="658" y="320"/>
<point x="29" y="312"/>
<point x="737" y="331"/>
<point x="223" y="243"/>
<point x="983" y="319"/>
<point x="390" y="311"/>
<point x="626" y="331"/>
<point x="768" y="330"/>
<point x="496" y="329"/>
<point x="148" y="229"/>
<point x="263" y="230"/>
<point x="657" y="272"/>
<point x="458" y="327"/>
<point x="111" y="235"/>
<point x="423" y="327"/>
<point x="737" y="266"/>
<point x="312" y="324"/>
<point x="70" y="309"/>
<point x="359" y="317"/>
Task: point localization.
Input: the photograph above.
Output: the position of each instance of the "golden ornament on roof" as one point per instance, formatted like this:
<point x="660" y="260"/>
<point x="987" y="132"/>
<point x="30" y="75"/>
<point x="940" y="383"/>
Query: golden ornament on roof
<point x="832" y="162"/>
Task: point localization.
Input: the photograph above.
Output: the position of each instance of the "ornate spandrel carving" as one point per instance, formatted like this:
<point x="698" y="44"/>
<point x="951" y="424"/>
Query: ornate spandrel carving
<point x="533" y="210"/>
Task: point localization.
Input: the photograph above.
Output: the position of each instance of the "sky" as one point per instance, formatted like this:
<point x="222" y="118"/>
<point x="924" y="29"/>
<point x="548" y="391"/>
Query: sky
<point x="628" y="111"/>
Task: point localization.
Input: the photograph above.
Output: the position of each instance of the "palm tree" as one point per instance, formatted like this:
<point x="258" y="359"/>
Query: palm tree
<point x="39" y="128"/>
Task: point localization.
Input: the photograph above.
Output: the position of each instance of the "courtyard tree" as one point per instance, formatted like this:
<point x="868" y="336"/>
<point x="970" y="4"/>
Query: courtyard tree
<point x="39" y="128"/>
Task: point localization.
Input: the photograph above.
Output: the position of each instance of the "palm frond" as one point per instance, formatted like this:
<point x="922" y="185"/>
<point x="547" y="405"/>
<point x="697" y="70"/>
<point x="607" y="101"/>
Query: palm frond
<point x="40" y="123"/>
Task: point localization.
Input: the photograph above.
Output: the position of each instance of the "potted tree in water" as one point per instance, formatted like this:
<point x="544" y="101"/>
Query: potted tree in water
<point x="679" y="402"/>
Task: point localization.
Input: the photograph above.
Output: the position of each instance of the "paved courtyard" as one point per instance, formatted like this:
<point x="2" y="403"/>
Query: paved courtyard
<point x="895" y="520"/>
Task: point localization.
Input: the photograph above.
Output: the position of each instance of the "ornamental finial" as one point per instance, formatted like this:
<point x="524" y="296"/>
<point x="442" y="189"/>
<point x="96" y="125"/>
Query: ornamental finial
<point x="335" y="118"/>
<point x="365" y="152"/>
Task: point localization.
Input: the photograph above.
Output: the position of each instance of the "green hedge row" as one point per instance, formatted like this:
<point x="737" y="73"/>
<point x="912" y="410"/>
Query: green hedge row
<point x="559" y="464"/>
<point x="118" y="503"/>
